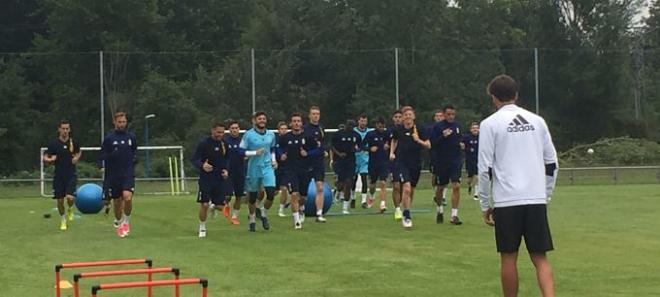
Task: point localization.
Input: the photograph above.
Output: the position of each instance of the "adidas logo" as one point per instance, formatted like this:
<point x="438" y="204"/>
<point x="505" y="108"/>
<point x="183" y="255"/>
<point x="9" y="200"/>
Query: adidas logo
<point x="519" y="124"/>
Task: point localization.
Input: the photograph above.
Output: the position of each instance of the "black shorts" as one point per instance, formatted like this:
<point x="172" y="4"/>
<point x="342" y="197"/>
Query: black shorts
<point x="345" y="169"/>
<point x="405" y="173"/>
<point x="297" y="181"/>
<point x="378" y="171"/>
<point x="235" y="186"/>
<point x="115" y="186"/>
<point x="63" y="186"/>
<point x="515" y="222"/>
<point x="446" y="172"/>
<point x="318" y="170"/>
<point x="214" y="192"/>
<point x="432" y="168"/>
<point x="471" y="168"/>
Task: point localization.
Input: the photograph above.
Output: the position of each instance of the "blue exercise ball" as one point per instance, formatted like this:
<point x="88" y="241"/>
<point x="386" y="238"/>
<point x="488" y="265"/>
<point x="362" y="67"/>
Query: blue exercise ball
<point x="310" y="205"/>
<point x="89" y="198"/>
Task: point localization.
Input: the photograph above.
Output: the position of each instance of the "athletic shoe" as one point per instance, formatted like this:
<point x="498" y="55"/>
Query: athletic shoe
<point x="475" y="197"/>
<point x="127" y="229"/>
<point x="370" y="202"/>
<point x="455" y="221"/>
<point x="302" y="216"/>
<point x="226" y="211"/>
<point x="257" y="213"/>
<point x="297" y="226"/>
<point x="383" y="208"/>
<point x="281" y="214"/>
<point x="364" y="205"/>
<point x="234" y="221"/>
<point x="407" y="223"/>
<point x="69" y="214"/>
<point x="352" y="203"/>
<point x="345" y="211"/>
<point x="320" y="219"/>
<point x="202" y="233"/>
<point x="439" y="218"/>
<point x="253" y="227"/>
<point x="63" y="225"/>
<point x="398" y="214"/>
<point x="116" y="224"/>
<point x="121" y="231"/>
<point x="265" y="223"/>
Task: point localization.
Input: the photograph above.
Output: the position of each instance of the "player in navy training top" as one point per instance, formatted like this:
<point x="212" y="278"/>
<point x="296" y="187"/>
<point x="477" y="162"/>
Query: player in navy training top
<point x="344" y="145"/>
<point x="118" y="155"/>
<point x="283" y="191"/>
<point x="438" y="197"/>
<point x="471" y="148"/>
<point x="298" y="149"/>
<point x="212" y="159"/>
<point x="377" y="143"/>
<point x="397" y="118"/>
<point x="446" y="142"/>
<point x="313" y="128"/>
<point x="64" y="153"/>
<point x="236" y="181"/>
<point x="407" y="144"/>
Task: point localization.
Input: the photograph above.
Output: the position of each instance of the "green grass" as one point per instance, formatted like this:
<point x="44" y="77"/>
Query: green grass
<point x="606" y="240"/>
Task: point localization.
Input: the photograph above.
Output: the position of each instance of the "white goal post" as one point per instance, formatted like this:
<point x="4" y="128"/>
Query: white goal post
<point x="181" y="172"/>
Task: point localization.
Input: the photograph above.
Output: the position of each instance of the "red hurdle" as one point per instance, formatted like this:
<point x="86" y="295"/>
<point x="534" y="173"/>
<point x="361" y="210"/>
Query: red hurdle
<point x="59" y="267"/>
<point x="158" y="283"/>
<point x="148" y="271"/>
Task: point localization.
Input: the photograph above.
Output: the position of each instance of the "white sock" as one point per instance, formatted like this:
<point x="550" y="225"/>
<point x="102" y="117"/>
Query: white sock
<point x="63" y="217"/>
<point x="202" y="225"/>
<point x="444" y="193"/>
<point x="252" y="218"/>
<point x="345" y="206"/>
<point x="281" y="207"/>
<point x="440" y="209"/>
<point x="264" y="212"/>
<point x="302" y="208"/>
<point x="341" y="196"/>
<point x="212" y="206"/>
<point x="126" y="218"/>
<point x="398" y="208"/>
<point x="319" y="212"/>
<point x="296" y="217"/>
<point x="382" y="203"/>
<point x="454" y="212"/>
<point x="364" y="197"/>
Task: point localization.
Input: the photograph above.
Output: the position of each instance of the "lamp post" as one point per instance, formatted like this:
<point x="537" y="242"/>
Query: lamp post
<point x="147" y="166"/>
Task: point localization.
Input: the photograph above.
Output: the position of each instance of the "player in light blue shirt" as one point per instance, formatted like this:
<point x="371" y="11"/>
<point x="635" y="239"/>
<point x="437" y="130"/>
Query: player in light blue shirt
<point x="259" y="144"/>
<point x="362" y="160"/>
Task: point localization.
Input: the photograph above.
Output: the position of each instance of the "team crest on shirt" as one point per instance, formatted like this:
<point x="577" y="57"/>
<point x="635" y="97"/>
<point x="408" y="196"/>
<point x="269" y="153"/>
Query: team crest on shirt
<point x="303" y="141"/>
<point x="115" y="143"/>
<point x="407" y="133"/>
<point x="64" y="146"/>
<point x="122" y="142"/>
<point x="130" y="142"/>
<point x="217" y="149"/>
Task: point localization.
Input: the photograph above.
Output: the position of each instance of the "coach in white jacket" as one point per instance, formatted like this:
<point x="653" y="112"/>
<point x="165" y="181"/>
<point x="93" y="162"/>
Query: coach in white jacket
<point x="516" y="154"/>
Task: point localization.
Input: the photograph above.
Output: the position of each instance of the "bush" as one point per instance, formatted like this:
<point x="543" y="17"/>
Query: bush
<point x="623" y="151"/>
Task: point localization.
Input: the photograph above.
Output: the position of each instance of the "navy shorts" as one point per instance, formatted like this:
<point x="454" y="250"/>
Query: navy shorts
<point x="471" y="168"/>
<point x="63" y="186"/>
<point x="280" y="178"/>
<point x="378" y="171"/>
<point x="345" y="169"/>
<point x="235" y="186"/>
<point x="297" y="181"/>
<point x="318" y="170"/>
<point x="214" y="192"/>
<point x="404" y="173"/>
<point x="447" y="172"/>
<point x="522" y="221"/>
<point x="115" y="186"/>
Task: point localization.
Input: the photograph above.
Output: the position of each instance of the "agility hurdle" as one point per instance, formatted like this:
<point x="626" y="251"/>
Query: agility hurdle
<point x="159" y="283"/>
<point x="59" y="267"/>
<point x="149" y="271"/>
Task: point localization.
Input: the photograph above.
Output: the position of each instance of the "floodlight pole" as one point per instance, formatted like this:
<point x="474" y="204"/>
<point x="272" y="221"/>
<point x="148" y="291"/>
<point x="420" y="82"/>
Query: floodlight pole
<point x="102" y="96"/>
<point x="536" y="77"/>
<point x="396" y="75"/>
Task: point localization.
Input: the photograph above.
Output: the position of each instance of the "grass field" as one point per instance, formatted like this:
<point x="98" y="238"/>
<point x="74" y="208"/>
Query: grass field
<point x="606" y="238"/>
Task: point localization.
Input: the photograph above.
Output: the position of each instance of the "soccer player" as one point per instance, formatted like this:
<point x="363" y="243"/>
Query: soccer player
<point x="446" y="140"/>
<point x="471" y="148"/>
<point x="517" y="155"/>
<point x="298" y="148"/>
<point x="377" y="143"/>
<point x="118" y="154"/>
<point x="362" y="162"/>
<point x="64" y="152"/>
<point x="282" y="129"/>
<point x="314" y="129"/>
<point x="259" y="144"/>
<point x="397" y="118"/>
<point x="344" y="145"/>
<point x="236" y="168"/>
<point x="406" y="149"/>
<point x="438" y="197"/>
<point x="211" y="158"/>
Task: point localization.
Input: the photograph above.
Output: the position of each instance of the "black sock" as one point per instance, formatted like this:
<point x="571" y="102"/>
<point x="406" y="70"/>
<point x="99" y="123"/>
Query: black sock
<point x="406" y="214"/>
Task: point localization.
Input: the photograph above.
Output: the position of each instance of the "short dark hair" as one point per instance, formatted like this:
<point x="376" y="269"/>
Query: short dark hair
<point x="295" y="114"/>
<point x="473" y="124"/>
<point x="258" y="114"/>
<point x="350" y="123"/>
<point x="448" y="106"/>
<point x="380" y="120"/>
<point x="396" y="112"/>
<point x="231" y="122"/>
<point x="63" y="122"/>
<point x="503" y="87"/>
<point x="282" y="123"/>
<point x="314" y="107"/>
<point x="362" y="116"/>
<point x="119" y="114"/>
<point x="219" y="124"/>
